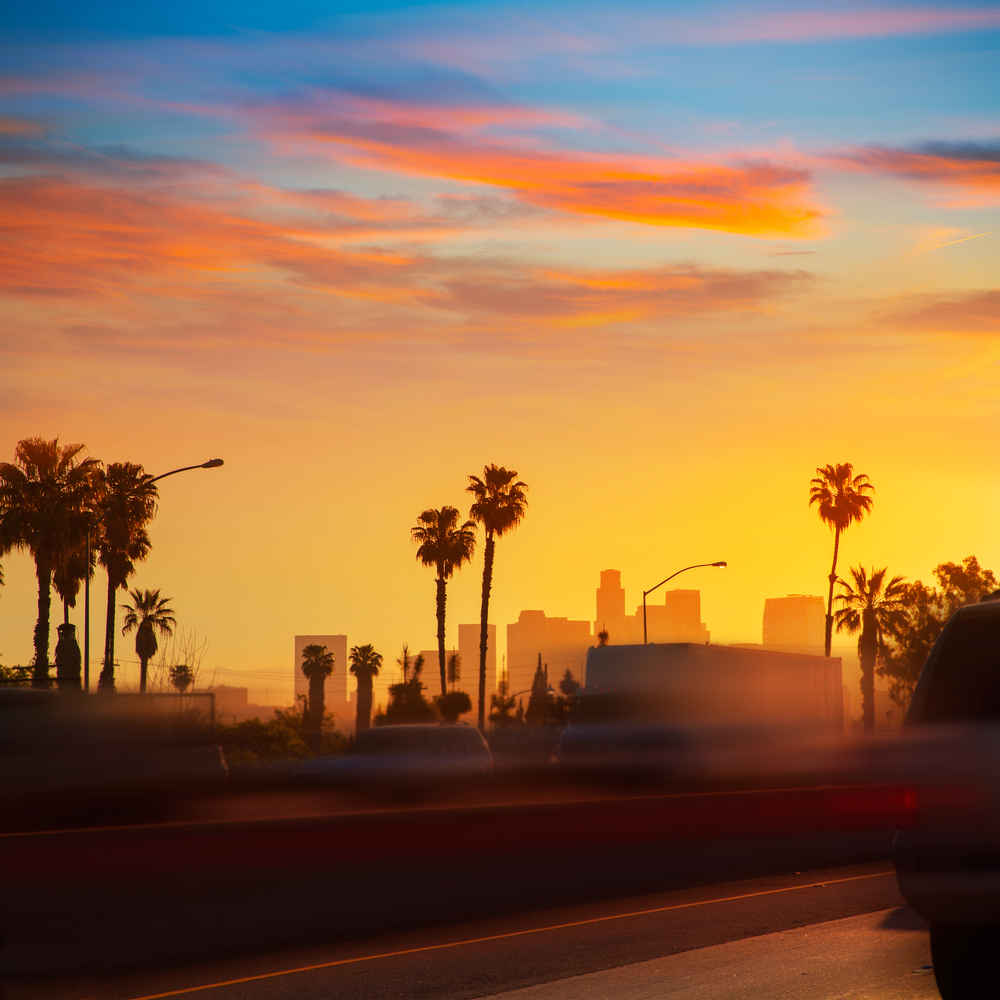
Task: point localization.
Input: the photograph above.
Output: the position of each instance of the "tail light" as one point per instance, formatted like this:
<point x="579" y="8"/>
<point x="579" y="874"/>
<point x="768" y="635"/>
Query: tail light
<point x="909" y="813"/>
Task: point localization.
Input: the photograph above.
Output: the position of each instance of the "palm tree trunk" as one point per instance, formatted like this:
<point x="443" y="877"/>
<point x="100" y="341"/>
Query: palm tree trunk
<point x="40" y="670"/>
<point x="143" y="660"/>
<point x="441" y="598"/>
<point x="363" y="719"/>
<point x="484" y="626"/>
<point x="106" y="682"/>
<point x="314" y="711"/>
<point x="829" y="600"/>
<point x="868" y="654"/>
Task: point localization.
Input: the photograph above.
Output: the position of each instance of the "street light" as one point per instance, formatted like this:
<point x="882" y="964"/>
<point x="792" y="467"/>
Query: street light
<point x="721" y="564"/>
<point x="211" y="464"/>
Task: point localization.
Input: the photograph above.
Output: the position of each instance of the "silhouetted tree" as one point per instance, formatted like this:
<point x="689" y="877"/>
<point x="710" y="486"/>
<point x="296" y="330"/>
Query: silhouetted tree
<point x="538" y="701"/>
<point x="502" y="705"/>
<point x="44" y="495"/>
<point x="452" y="705"/>
<point x="407" y="702"/>
<point x="365" y="665"/>
<point x="454" y="670"/>
<point x="181" y="676"/>
<point x="843" y="500"/>
<point x="404" y="659"/>
<point x="874" y="607"/>
<point x="568" y="685"/>
<point x="499" y="506"/>
<point x="602" y="637"/>
<point x="444" y="544"/>
<point x="146" y="615"/>
<point x="127" y="500"/>
<point x="927" y="610"/>
<point x="317" y="665"/>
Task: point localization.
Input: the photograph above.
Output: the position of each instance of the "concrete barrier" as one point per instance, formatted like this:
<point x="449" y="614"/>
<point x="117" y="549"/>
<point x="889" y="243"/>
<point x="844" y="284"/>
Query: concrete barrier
<point x="100" y="899"/>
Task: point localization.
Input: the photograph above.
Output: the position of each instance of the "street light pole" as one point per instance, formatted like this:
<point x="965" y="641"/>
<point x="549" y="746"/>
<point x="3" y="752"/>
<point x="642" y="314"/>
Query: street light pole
<point x="212" y="464"/>
<point x="721" y="564"/>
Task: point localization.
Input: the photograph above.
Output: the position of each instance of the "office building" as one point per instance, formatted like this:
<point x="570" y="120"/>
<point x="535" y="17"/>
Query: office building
<point x="611" y="608"/>
<point x="795" y="624"/>
<point x="560" y="642"/>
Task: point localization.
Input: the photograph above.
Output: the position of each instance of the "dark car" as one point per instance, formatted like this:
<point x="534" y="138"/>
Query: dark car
<point x="948" y="861"/>
<point x="407" y="756"/>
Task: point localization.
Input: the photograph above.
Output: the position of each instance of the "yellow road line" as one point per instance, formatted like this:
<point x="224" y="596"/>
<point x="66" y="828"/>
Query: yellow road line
<point x="501" y="937"/>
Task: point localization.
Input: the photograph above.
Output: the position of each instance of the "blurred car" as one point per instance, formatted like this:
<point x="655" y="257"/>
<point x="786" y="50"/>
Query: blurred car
<point x="406" y="757"/>
<point x="948" y="858"/>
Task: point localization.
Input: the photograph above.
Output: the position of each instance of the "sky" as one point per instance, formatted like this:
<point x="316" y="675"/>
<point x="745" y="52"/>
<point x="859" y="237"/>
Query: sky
<point x="664" y="260"/>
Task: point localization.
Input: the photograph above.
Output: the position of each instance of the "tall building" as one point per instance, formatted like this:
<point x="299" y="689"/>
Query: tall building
<point x="677" y="619"/>
<point x="335" y="693"/>
<point x="562" y="644"/>
<point x="468" y="650"/>
<point x="795" y="624"/>
<point x="611" y="608"/>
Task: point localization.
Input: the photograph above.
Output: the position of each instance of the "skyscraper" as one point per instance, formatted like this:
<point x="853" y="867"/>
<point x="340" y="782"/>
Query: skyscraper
<point x="795" y="624"/>
<point x="611" y="607"/>
<point x="562" y="644"/>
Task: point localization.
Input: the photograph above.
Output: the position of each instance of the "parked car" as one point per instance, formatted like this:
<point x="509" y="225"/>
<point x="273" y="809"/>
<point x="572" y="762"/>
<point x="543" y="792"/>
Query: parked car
<point x="409" y="756"/>
<point x="948" y="859"/>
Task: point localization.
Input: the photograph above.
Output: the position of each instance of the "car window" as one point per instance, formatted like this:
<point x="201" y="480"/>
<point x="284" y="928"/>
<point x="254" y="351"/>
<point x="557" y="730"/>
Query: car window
<point x="964" y="685"/>
<point x="474" y="741"/>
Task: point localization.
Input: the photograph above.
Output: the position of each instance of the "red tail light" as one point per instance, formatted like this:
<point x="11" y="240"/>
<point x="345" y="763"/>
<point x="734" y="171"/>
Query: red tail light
<point x="909" y="813"/>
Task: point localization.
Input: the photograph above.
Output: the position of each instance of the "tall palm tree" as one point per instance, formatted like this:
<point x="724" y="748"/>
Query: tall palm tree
<point x="317" y="665"/>
<point x="44" y="495"/>
<point x="444" y="544"/>
<point x="499" y="506"/>
<point x="147" y="614"/>
<point x="876" y="607"/>
<point x="365" y="665"/>
<point x="844" y="499"/>
<point x="71" y="572"/>
<point x="127" y="501"/>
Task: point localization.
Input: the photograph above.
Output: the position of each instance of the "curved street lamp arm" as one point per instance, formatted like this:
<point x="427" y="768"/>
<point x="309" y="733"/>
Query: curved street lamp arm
<point x="678" y="573"/>
<point x="213" y="464"/>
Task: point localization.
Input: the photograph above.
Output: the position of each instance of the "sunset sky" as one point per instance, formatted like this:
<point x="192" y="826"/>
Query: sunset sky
<point x="662" y="259"/>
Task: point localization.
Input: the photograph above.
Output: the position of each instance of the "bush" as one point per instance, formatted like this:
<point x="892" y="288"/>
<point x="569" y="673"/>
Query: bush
<point x="278" y="738"/>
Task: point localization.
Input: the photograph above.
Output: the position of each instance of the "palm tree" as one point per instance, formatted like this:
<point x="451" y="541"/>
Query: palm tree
<point x="44" y="494"/>
<point x="445" y="545"/>
<point x="455" y="671"/>
<point x="365" y="665"/>
<point x="877" y="608"/>
<point x="843" y="500"/>
<point x="126" y="503"/>
<point x="147" y="614"/>
<point x="499" y="506"/>
<point x="181" y="676"/>
<point x="317" y="665"/>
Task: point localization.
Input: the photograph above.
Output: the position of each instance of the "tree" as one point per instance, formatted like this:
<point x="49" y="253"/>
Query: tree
<point x="44" y="497"/>
<point x="181" y="676"/>
<point x="146" y="615"/>
<point x="499" y="506"/>
<point x="538" y="701"/>
<point x="126" y="503"/>
<point x="444" y="544"/>
<point x="569" y="685"/>
<point x="365" y="665"/>
<point x="317" y="665"/>
<point x="843" y="499"/>
<point x="927" y="610"/>
<point x="455" y="671"/>
<point x="452" y="705"/>
<point x="876" y="608"/>
<point x="407" y="702"/>
<point x="602" y="637"/>
<point x="502" y="705"/>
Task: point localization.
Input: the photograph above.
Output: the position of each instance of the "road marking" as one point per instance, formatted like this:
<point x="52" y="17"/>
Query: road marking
<point x="501" y="937"/>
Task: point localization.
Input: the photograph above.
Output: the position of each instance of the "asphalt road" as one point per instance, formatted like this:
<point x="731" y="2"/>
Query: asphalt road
<point x="812" y="934"/>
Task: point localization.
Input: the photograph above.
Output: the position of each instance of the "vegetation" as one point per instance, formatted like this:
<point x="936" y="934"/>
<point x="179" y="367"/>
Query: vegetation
<point x="146" y="615"/>
<point x="843" y="500"/>
<point x="499" y="506"/>
<point x="502" y="706"/>
<point x="278" y="738"/>
<point x="126" y="503"/>
<point x="444" y="544"/>
<point x="365" y="665"/>
<point x="317" y="665"/>
<point x="406" y="700"/>
<point x="453" y="704"/>
<point x="44" y="495"/>
<point x="876" y="608"/>
<point x="182" y="677"/>
<point x="927" y="610"/>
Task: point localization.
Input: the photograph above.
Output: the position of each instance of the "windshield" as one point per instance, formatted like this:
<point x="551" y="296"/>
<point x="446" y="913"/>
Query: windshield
<point x="965" y="682"/>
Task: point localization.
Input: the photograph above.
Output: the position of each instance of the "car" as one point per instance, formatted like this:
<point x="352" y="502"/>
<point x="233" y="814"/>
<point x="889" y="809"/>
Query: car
<point x="406" y="757"/>
<point x="947" y="857"/>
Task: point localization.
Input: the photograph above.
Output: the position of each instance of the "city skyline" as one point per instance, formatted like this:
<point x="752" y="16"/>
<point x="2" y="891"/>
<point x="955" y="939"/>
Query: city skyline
<point x="665" y="263"/>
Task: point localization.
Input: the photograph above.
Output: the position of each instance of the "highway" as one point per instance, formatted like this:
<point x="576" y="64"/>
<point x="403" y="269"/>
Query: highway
<point x="816" y="934"/>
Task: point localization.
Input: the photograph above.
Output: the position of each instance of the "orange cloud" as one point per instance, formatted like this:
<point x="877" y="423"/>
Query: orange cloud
<point x="751" y="198"/>
<point x="289" y="266"/>
<point x="968" y="313"/>
<point x="971" y="167"/>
